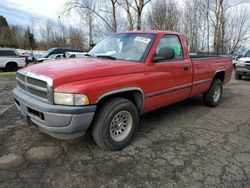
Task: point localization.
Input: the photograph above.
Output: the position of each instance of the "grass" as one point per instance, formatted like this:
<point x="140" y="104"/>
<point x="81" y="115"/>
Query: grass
<point x="7" y="73"/>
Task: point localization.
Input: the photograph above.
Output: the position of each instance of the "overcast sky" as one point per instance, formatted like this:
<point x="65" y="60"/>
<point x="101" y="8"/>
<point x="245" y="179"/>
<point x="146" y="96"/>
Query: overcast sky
<point x="21" y="12"/>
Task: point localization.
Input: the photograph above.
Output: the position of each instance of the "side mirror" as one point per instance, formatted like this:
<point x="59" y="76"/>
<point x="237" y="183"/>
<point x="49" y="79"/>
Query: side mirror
<point x="165" y="53"/>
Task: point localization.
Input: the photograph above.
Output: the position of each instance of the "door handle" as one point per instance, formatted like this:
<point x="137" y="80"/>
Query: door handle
<point x="185" y="68"/>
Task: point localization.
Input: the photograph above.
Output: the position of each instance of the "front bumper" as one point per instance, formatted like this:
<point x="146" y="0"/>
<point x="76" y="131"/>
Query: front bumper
<point x="243" y="71"/>
<point x="63" y="122"/>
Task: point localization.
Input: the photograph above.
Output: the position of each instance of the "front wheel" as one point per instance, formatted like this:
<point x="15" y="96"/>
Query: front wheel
<point x="115" y="124"/>
<point x="212" y="97"/>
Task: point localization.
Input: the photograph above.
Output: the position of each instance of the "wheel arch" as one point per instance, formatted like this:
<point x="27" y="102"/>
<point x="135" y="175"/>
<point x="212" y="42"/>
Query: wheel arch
<point x="11" y="62"/>
<point x="219" y="74"/>
<point x="134" y="94"/>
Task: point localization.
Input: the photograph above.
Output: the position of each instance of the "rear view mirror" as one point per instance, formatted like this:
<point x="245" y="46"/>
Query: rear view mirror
<point x="165" y="53"/>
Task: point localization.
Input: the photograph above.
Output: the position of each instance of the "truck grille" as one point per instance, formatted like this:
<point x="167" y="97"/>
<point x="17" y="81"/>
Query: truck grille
<point x="36" y="85"/>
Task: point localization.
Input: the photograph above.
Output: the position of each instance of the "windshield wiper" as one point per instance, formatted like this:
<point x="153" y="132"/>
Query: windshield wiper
<point x="106" y="56"/>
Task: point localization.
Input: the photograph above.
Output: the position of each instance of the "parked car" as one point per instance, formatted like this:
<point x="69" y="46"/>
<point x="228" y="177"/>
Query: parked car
<point x="123" y="76"/>
<point x="74" y="54"/>
<point x="51" y="58"/>
<point x="29" y="56"/>
<point x="10" y="60"/>
<point x="235" y="59"/>
<point x="243" y="66"/>
<point x="59" y="51"/>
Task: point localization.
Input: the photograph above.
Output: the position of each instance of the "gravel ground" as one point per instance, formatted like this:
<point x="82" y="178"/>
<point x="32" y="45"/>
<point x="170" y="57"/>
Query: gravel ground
<point x="182" y="145"/>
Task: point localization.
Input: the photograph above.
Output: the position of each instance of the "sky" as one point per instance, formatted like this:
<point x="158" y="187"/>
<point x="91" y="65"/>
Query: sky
<point x="21" y="12"/>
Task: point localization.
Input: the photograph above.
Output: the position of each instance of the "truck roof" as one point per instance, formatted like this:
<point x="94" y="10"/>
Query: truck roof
<point x="153" y="32"/>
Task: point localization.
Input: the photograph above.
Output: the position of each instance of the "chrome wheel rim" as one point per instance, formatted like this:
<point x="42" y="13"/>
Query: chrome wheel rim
<point x="217" y="93"/>
<point x="121" y="125"/>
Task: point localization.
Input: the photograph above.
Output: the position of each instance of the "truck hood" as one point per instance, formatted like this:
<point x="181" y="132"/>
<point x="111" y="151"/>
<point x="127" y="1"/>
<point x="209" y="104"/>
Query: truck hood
<point x="70" y="70"/>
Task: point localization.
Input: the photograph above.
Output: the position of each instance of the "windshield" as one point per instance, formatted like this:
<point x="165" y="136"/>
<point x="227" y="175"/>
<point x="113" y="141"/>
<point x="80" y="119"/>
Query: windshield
<point x="53" y="56"/>
<point x="47" y="53"/>
<point x="129" y="47"/>
<point x="247" y="54"/>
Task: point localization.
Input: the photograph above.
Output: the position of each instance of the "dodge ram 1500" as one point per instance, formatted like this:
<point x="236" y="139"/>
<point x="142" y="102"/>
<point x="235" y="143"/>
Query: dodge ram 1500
<point x="125" y="75"/>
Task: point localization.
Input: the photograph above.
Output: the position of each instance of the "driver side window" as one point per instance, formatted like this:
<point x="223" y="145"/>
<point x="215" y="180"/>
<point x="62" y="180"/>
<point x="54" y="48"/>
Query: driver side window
<point x="173" y="42"/>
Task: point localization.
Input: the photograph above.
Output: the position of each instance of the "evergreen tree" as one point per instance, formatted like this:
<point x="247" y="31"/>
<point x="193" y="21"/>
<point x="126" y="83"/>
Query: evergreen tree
<point x="3" y="22"/>
<point x="30" y="42"/>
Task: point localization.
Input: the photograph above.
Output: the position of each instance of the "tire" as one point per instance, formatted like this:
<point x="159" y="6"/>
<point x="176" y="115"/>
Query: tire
<point x="115" y="124"/>
<point x="11" y="67"/>
<point x="212" y="97"/>
<point x="237" y="77"/>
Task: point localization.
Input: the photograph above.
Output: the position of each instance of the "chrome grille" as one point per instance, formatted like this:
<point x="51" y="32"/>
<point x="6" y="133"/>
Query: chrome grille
<point x="21" y="77"/>
<point x="37" y="85"/>
<point x="36" y="82"/>
<point x="248" y="66"/>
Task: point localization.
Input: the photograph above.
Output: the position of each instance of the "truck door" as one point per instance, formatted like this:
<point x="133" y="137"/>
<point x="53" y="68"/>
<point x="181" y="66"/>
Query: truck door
<point x="168" y="81"/>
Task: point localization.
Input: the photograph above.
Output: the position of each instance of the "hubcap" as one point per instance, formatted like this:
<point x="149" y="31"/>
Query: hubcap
<point x="217" y="93"/>
<point x="121" y="125"/>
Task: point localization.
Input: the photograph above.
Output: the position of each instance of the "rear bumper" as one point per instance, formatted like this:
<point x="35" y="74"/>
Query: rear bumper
<point x="242" y="71"/>
<point x="63" y="122"/>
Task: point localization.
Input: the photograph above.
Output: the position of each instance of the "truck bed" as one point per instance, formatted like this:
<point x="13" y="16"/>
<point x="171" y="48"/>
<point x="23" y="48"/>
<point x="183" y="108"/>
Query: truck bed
<point x="204" y="69"/>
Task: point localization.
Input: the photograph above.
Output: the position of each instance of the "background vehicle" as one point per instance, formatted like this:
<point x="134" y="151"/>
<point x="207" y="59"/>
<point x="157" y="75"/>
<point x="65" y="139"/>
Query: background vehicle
<point x="125" y="75"/>
<point x="51" y="57"/>
<point x="30" y="57"/>
<point x="235" y="59"/>
<point x="59" y="51"/>
<point x="10" y="60"/>
<point x="74" y="54"/>
<point x="243" y="66"/>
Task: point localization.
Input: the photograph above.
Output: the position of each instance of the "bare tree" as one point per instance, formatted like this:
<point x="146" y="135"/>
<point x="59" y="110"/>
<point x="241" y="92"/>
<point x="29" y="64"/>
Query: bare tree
<point x="196" y="26"/>
<point x="126" y="5"/>
<point x="114" y="21"/>
<point x="221" y="19"/>
<point x="75" y="38"/>
<point x="137" y="6"/>
<point x="236" y="29"/>
<point x="91" y="5"/>
<point x="164" y="15"/>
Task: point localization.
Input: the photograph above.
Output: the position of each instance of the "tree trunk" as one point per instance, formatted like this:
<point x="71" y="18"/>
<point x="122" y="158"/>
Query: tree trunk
<point x="91" y="42"/>
<point x="114" y="22"/>
<point x="138" y="20"/>
<point x="129" y="16"/>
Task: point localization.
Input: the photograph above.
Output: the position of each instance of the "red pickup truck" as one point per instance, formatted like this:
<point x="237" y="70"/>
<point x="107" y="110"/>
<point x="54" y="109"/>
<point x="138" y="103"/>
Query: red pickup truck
<point x="125" y="75"/>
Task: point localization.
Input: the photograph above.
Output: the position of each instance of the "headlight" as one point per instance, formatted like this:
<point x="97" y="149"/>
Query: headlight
<point x="71" y="99"/>
<point x="240" y="63"/>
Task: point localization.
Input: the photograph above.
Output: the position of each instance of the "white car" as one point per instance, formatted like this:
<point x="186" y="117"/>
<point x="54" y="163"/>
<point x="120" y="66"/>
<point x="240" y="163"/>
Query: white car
<point x="235" y="60"/>
<point x="75" y="54"/>
<point x="10" y="60"/>
<point x="51" y="57"/>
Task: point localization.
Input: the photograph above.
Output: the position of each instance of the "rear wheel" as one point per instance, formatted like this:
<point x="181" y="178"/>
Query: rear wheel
<point x="212" y="97"/>
<point x="11" y="67"/>
<point x="238" y="77"/>
<point x="115" y="124"/>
